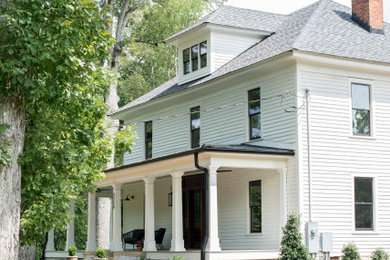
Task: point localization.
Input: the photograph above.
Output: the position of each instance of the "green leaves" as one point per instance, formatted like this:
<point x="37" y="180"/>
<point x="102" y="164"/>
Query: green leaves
<point x="5" y="157"/>
<point x="350" y="252"/>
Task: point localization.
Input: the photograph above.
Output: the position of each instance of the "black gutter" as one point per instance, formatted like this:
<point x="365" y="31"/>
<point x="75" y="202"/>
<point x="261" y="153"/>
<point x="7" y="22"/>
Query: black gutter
<point x="206" y="211"/>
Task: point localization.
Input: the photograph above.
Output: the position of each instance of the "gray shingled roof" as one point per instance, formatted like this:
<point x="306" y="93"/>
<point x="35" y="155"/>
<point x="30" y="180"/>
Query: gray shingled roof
<point x="239" y="18"/>
<point x="324" y="27"/>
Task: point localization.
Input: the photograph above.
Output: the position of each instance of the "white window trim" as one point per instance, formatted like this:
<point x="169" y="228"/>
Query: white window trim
<point x="371" y="85"/>
<point x="248" y="213"/>
<point x="189" y="46"/>
<point x="374" y="207"/>
<point x="249" y="88"/>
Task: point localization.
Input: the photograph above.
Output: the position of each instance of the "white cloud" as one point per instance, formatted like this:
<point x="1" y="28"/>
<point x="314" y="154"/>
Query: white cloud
<point x="288" y="6"/>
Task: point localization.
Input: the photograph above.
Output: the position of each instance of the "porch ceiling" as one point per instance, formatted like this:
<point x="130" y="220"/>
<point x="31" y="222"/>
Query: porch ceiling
<point x="231" y="156"/>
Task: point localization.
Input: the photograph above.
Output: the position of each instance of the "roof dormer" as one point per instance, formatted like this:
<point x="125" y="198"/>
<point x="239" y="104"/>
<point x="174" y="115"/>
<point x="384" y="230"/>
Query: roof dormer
<point x="219" y="37"/>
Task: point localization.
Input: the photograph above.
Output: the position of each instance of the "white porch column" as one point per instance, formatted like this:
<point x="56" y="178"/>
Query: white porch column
<point x="111" y="244"/>
<point x="283" y="199"/>
<point x="213" y="241"/>
<point x="70" y="229"/>
<point x="91" y="241"/>
<point x="50" y="246"/>
<point x="177" y="242"/>
<point x="149" y="242"/>
<point x="116" y="218"/>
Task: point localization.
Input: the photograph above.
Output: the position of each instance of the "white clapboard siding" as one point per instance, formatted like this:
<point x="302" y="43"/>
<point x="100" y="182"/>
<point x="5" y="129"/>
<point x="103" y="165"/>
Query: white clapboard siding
<point x="221" y="125"/>
<point x="337" y="158"/>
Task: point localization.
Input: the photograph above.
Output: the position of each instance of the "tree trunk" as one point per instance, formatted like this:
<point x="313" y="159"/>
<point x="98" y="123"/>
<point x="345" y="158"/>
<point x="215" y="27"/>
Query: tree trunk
<point x="27" y="252"/>
<point x="10" y="177"/>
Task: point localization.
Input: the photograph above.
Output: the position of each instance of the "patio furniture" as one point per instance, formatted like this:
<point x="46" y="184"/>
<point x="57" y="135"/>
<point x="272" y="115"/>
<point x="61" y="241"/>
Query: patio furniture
<point x="159" y="236"/>
<point x="133" y="236"/>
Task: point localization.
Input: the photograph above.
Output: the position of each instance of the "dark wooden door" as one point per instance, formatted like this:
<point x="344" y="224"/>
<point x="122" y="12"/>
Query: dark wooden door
<point x="193" y="210"/>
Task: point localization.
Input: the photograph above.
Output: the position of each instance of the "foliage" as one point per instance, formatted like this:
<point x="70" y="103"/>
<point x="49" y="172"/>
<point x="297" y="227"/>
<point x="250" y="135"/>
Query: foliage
<point x="149" y="62"/>
<point x="379" y="254"/>
<point x="51" y="52"/>
<point x="123" y="142"/>
<point x="176" y="257"/>
<point x="100" y="253"/>
<point x="292" y="246"/>
<point x="139" y="243"/>
<point x="5" y="158"/>
<point x="350" y="252"/>
<point x="72" y="250"/>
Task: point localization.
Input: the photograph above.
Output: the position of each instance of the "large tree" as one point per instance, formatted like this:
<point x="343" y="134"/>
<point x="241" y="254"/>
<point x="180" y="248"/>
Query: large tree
<point x="51" y="86"/>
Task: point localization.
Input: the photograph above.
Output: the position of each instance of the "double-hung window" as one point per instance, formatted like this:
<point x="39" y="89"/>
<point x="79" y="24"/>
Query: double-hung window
<point x="148" y="140"/>
<point x="361" y="116"/>
<point x="186" y="61"/>
<point x="255" y="206"/>
<point x="364" y="204"/>
<point x="203" y="54"/>
<point x="254" y="111"/>
<point x="195" y="57"/>
<point x="195" y="127"/>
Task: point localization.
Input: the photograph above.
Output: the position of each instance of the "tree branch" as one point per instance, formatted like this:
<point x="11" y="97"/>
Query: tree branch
<point x="148" y="42"/>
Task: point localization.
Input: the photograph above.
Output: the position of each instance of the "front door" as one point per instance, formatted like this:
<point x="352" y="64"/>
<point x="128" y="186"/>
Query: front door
<point x="193" y="210"/>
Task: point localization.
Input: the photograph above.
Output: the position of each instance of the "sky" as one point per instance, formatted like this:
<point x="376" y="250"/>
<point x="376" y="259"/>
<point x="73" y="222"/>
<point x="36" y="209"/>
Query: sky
<point x="288" y="6"/>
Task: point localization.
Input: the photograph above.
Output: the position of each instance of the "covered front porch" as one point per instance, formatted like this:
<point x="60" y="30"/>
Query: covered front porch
<point x="235" y="197"/>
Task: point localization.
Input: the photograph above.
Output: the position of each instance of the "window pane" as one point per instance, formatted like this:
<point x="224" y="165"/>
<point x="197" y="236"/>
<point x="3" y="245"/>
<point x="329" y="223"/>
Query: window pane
<point x="256" y="219"/>
<point x="148" y="131"/>
<point x="195" y="118"/>
<point x="203" y="61"/>
<point x="361" y="96"/>
<point x="254" y="107"/>
<point x="255" y="126"/>
<point x="363" y="190"/>
<point x="194" y="57"/>
<point x="186" y="61"/>
<point x="363" y="217"/>
<point x="195" y="138"/>
<point x="203" y="48"/>
<point x="255" y="193"/>
<point x="149" y="151"/>
<point x="361" y="122"/>
<point x="186" y="55"/>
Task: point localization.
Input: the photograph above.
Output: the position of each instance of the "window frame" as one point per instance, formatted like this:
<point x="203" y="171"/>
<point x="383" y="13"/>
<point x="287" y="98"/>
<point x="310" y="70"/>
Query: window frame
<point x="146" y="141"/>
<point x="254" y="114"/>
<point x="374" y="206"/>
<point x="371" y="85"/>
<point x="192" y="131"/>
<point x="203" y="55"/>
<point x="250" y="219"/>
<point x="197" y="57"/>
<point x="184" y="61"/>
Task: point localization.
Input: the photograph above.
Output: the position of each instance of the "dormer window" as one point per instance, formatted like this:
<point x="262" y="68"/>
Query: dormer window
<point x="195" y="58"/>
<point x="203" y="54"/>
<point x="186" y="61"/>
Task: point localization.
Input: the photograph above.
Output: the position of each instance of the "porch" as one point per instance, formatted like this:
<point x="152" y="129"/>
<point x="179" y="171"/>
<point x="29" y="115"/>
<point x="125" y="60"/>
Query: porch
<point x="173" y="192"/>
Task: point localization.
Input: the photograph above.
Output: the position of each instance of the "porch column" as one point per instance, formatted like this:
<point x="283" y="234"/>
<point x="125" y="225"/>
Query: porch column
<point x="91" y="240"/>
<point x="149" y="242"/>
<point x="111" y="244"/>
<point x="213" y="242"/>
<point x="116" y="218"/>
<point x="50" y="246"/>
<point x="283" y="199"/>
<point x="70" y="228"/>
<point x="177" y="242"/>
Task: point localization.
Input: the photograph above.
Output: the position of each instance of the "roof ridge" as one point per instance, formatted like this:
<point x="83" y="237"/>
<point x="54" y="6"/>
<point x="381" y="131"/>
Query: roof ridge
<point x="253" y="10"/>
<point x="312" y="16"/>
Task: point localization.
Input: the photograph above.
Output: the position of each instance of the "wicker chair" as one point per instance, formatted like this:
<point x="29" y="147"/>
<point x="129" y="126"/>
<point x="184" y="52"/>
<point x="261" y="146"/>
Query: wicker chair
<point x="132" y="237"/>
<point x="159" y="236"/>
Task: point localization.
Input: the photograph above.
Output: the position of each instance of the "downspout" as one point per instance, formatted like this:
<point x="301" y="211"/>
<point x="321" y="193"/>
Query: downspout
<point x="206" y="212"/>
<point x="308" y="151"/>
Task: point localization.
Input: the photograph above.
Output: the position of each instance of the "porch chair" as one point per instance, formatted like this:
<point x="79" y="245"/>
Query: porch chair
<point x="159" y="236"/>
<point x="132" y="237"/>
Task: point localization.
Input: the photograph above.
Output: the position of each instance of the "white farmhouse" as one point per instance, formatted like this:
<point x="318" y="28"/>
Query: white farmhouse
<point x="269" y="114"/>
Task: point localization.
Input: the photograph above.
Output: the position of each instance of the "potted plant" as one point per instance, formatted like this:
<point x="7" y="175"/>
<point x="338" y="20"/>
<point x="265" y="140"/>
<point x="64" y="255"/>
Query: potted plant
<point x="100" y="254"/>
<point x="72" y="250"/>
<point x="139" y="245"/>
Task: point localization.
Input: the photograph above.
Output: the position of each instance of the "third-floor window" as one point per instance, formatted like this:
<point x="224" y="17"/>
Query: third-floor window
<point x="195" y="58"/>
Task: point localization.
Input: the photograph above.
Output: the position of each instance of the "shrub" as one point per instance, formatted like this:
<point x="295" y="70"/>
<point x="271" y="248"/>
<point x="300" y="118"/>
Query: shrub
<point x="100" y="253"/>
<point x="351" y="252"/>
<point x="72" y="250"/>
<point x="292" y="245"/>
<point x="379" y="254"/>
<point x="176" y="257"/>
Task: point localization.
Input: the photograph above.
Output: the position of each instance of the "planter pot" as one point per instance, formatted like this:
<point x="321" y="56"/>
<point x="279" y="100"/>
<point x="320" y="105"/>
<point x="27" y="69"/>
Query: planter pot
<point x="71" y="257"/>
<point x="139" y="248"/>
